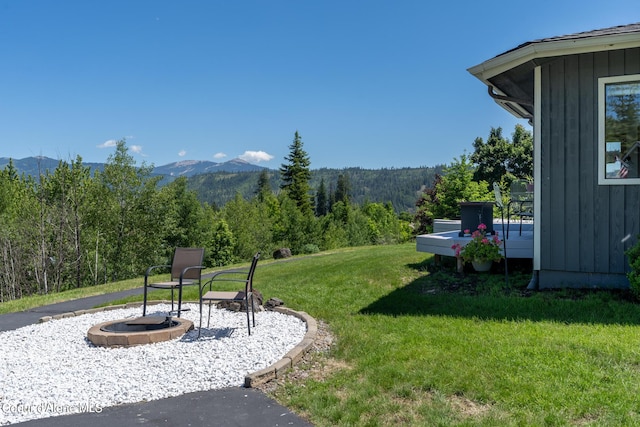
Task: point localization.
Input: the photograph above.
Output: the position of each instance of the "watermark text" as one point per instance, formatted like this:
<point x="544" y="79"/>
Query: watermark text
<point x="48" y="407"/>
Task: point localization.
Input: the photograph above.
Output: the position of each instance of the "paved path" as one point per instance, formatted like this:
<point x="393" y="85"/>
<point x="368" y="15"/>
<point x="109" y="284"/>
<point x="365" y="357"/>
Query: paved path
<point x="227" y="407"/>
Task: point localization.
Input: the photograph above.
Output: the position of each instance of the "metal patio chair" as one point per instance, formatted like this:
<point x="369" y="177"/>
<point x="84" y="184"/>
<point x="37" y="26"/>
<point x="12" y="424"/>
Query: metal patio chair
<point x="245" y="297"/>
<point x="521" y="200"/>
<point x="186" y="269"/>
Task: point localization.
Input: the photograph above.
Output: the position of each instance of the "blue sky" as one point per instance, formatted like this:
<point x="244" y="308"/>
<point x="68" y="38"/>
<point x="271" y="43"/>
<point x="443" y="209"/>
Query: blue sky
<point x="372" y="84"/>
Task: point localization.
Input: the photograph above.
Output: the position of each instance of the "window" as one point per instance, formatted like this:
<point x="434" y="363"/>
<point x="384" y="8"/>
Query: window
<point x="619" y="130"/>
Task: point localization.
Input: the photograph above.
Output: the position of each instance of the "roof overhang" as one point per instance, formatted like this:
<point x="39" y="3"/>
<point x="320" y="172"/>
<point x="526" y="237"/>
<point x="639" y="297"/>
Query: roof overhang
<point x="498" y="72"/>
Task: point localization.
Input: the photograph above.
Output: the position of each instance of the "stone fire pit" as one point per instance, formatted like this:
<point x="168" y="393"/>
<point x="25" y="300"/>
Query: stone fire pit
<point x="137" y="331"/>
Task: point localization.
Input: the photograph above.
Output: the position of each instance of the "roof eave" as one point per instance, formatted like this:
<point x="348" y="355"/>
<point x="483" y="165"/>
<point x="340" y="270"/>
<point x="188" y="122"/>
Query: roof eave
<point x="545" y="49"/>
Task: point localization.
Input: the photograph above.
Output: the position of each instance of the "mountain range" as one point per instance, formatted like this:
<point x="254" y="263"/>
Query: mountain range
<point x="33" y="166"/>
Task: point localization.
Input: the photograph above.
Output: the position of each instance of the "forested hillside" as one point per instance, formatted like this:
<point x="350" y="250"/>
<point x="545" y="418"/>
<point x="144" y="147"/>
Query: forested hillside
<point x="401" y="187"/>
<point x="218" y="183"/>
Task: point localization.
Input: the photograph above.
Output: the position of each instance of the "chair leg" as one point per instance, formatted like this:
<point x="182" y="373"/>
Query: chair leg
<point x="253" y="311"/>
<point x="208" y="317"/>
<point x="248" y="323"/>
<point x="200" y="326"/>
<point x="144" y="304"/>
<point x="521" y="225"/>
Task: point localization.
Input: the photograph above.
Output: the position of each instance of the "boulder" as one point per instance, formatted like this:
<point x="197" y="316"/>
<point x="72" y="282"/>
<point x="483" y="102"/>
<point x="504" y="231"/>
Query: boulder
<point x="240" y="305"/>
<point x="272" y="303"/>
<point x="282" y="253"/>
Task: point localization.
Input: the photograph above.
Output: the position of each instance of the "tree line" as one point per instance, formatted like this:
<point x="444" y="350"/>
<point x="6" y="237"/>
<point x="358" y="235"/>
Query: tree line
<point x="71" y="228"/>
<point x="399" y="186"/>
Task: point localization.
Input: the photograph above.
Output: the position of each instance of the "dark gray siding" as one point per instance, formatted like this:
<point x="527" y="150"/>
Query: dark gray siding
<point x="583" y="226"/>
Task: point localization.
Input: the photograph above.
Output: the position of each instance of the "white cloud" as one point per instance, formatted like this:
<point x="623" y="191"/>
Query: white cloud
<point x="255" y="156"/>
<point x="182" y="153"/>
<point x="219" y="156"/>
<point x="136" y="149"/>
<point x="108" y="144"/>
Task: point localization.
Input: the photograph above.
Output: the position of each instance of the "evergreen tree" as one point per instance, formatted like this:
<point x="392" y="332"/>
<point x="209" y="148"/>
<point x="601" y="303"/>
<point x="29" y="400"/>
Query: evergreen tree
<point x="423" y="219"/>
<point x="296" y="176"/>
<point x="332" y="198"/>
<point x="343" y="188"/>
<point x="321" y="199"/>
<point x="264" y="186"/>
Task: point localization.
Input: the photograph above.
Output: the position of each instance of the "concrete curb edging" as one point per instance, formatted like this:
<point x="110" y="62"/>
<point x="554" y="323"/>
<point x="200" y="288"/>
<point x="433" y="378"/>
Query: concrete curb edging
<point x="254" y="379"/>
<point x="292" y="357"/>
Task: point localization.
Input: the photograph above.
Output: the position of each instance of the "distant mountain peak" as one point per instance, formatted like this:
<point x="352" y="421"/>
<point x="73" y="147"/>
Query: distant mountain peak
<point x="183" y="163"/>
<point x="239" y="160"/>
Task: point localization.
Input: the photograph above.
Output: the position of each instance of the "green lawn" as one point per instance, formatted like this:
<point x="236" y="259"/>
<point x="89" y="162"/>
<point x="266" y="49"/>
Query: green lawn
<point x="414" y="348"/>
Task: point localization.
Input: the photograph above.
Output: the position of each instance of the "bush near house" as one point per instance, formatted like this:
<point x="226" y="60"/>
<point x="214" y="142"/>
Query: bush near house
<point x="634" y="262"/>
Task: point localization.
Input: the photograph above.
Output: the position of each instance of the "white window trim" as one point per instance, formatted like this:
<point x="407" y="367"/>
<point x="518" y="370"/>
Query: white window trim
<point x="602" y="82"/>
<point x="537" y="164"/>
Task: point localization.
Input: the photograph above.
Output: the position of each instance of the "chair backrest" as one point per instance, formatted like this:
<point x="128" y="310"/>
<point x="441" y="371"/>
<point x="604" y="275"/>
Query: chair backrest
<point x="498" y="195"/>
<point x="252" y="270"/>
<point x="187" y="257"/>
<point x="521" y="190"/>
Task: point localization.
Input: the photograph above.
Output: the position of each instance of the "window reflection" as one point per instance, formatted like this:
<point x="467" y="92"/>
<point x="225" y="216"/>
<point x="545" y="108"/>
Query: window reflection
<point x="622" y="130"/>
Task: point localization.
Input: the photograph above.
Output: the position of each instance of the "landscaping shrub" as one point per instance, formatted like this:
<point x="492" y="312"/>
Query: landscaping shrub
<point x="634" y="262"/>
<point x="310" y="248"/>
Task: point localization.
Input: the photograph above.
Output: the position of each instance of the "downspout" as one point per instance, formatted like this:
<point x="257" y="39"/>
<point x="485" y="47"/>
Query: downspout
<point x="533" y="283"/>
<point x="537" y="176"/>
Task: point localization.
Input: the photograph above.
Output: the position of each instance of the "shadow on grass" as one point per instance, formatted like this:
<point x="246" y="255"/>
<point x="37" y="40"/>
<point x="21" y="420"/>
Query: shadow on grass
<point x="486" y="296"/>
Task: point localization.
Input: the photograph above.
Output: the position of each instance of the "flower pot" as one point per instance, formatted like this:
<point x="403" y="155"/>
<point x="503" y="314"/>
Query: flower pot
<point x="481" y="265"/>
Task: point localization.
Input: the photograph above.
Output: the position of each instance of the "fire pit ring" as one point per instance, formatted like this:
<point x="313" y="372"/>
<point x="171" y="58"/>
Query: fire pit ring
<point x="138" y="331"/>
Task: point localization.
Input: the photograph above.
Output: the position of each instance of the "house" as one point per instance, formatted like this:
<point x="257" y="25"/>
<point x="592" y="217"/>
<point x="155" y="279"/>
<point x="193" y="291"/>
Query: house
<point x="581" y="93"/>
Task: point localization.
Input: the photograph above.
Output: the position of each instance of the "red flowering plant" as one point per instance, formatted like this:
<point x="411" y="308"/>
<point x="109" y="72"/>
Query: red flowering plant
<point x="481" y="247"/>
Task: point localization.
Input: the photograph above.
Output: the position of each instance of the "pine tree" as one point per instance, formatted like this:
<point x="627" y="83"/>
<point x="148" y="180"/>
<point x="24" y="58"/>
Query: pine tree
<point x="296" y="176"/>
<point x="343" y="188"/>
<point x="264" y="186"/>
<point x="321" y="199"/>
<point x="332" y="197"/>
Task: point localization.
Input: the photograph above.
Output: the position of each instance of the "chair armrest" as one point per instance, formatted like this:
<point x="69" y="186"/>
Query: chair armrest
<point x="201" y="267"/>
<point x="526" y="206"/>
<point x="153" y="267"/>
<point x="216" y="275"/>
<point x="223" y="272"/>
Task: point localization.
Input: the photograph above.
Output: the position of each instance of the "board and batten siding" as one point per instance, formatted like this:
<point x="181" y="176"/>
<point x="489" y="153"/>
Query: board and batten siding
<point x="585" y="228"/>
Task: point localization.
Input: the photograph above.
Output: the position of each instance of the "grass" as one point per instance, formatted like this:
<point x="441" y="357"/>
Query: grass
<point x="415" y="347"/>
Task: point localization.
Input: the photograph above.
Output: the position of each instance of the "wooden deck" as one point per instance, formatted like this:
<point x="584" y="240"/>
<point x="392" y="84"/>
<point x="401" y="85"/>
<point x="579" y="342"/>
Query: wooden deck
<point x="446" y="235"/>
